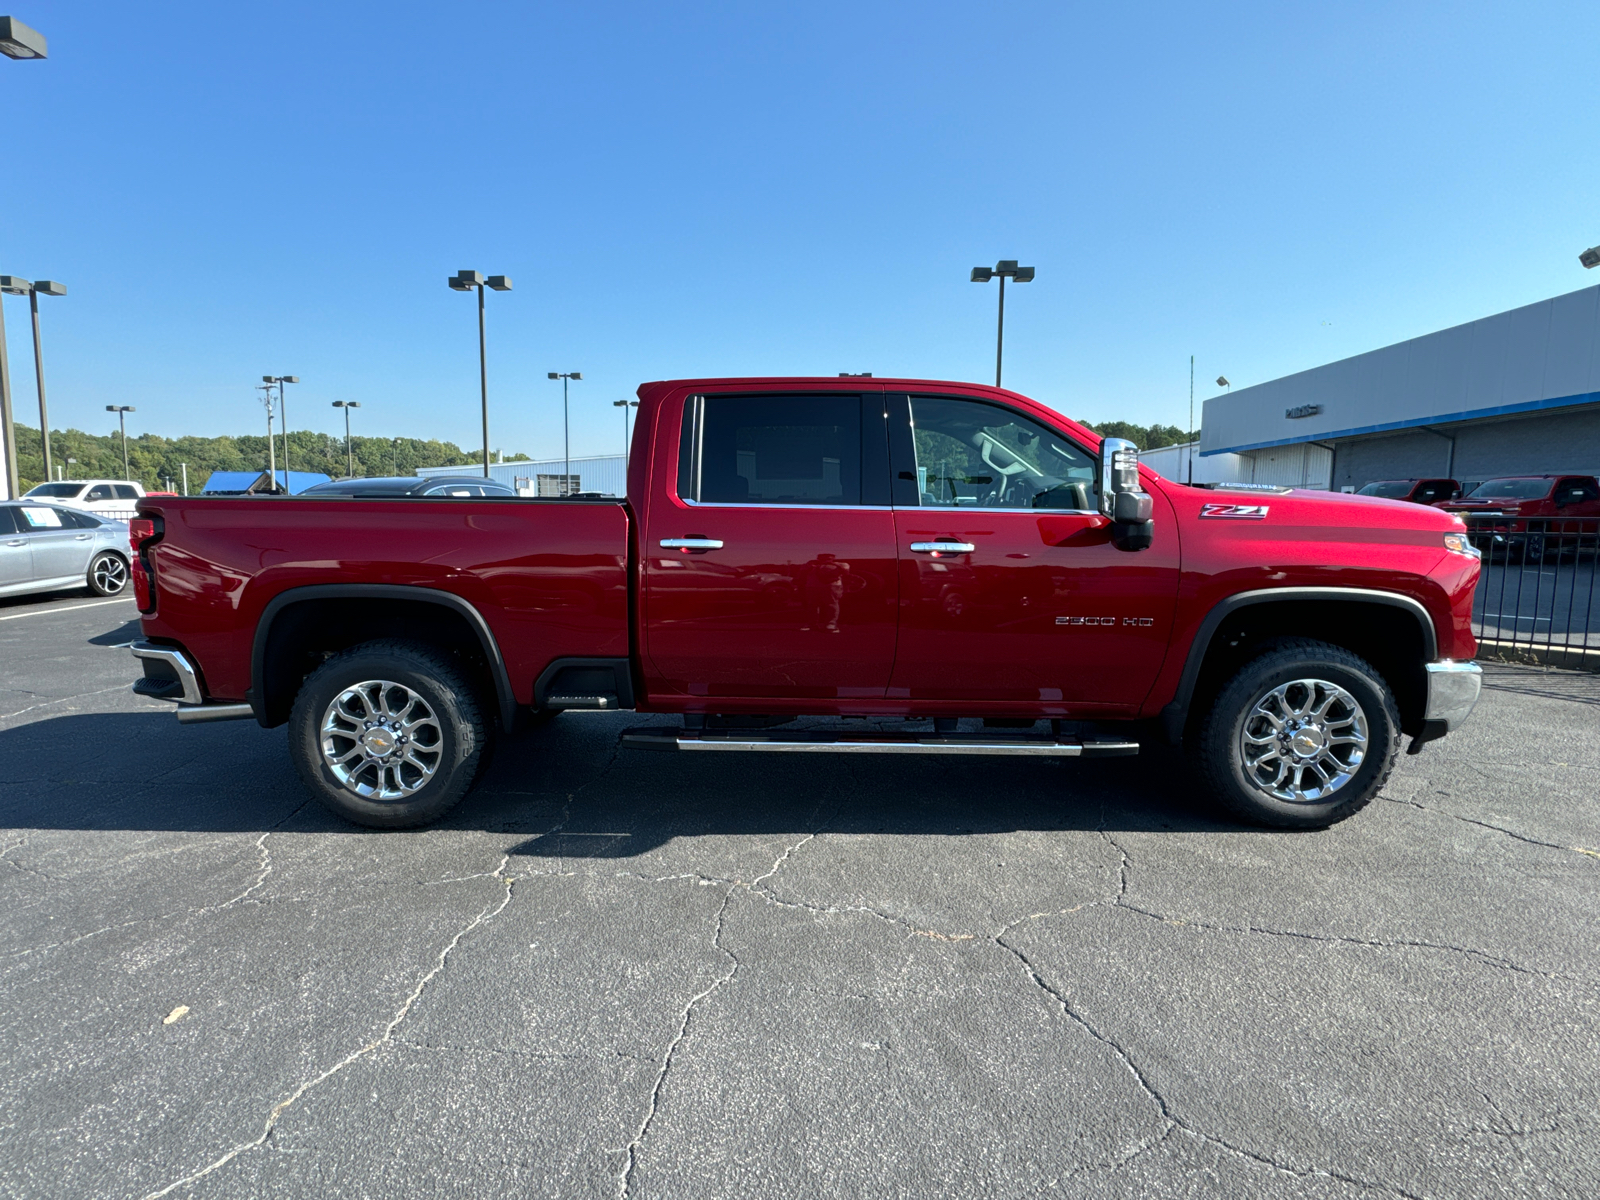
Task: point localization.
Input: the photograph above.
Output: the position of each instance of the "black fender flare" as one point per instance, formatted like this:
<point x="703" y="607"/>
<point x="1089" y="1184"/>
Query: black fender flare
<point x="1176" y="714"/>
<point x="379" y="591"/>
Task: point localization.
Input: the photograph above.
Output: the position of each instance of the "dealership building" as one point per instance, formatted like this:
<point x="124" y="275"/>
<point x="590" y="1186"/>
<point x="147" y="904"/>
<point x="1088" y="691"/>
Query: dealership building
<point x="1512" y="394"/>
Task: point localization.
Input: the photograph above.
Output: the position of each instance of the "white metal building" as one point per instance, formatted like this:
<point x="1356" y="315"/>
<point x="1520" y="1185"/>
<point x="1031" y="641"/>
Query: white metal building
<point x="605" y="473"/>
<point x="1515" y="393"/>
<point x="1183" y="464"/>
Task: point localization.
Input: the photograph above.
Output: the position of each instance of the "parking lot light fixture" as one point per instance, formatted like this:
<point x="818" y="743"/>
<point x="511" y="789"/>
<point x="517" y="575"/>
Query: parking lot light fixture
<point x="18" y="41"/>
<point x="467" y="281"/>
<point x="122" y="411"/>
<point x="1590" y="257"/>
<point x="1003" y="270"/>
<point x="283" y="412"/>
<point x="627" y="442"/>
<point x="12" y="286"/>
<point x="44" y="287"/>
<point x="566" y="438"/>
<point x="349" y="454"/>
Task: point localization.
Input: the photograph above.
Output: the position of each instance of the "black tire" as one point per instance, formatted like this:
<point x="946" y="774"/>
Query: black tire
<point x="108" y="574"/>
<point x="1220" y="752"/>
<point x="453" y="734"/>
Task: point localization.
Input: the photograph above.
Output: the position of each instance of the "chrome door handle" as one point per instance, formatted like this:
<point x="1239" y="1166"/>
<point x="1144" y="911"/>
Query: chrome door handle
<point x="691" y="543"/>
<point x="943" y="547"/>
<point x="83" y="537"/>
<point x="18" y="542"/>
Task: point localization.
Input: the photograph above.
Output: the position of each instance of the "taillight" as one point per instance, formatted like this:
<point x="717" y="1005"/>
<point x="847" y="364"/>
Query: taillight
<point x="143" y="532"/>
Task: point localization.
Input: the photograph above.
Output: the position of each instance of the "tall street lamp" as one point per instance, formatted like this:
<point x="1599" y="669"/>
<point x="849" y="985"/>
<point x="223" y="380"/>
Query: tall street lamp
<point x="1005" y="269"/>
<point x="122" y="411"/>
<point x="10" y="285"/>
<point x="18" y="41"/>
<point x="349" y="454"/>
<point x="283" y="413"/>
<point x="466" y="281"/>
<point x="627" y="442"/>
<point x="45" y="287"/>
<point x="1590" y="257"/>
<point x="566" y="438"/>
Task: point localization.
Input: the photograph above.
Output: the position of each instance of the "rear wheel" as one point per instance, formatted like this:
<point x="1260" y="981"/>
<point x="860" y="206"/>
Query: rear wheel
<point x="1301" y="737"/>
<point x="108" y="573"/>
<point x="388" y="734"/>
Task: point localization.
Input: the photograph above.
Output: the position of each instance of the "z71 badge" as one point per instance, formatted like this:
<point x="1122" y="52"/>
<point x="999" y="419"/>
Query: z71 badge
<point x="1235" y="512"/>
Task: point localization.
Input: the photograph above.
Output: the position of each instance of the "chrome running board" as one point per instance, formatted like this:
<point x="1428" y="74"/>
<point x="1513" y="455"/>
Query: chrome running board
<point x="830" y="742"/>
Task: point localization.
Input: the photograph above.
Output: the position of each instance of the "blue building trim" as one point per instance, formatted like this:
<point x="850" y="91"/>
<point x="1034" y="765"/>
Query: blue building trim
<point x="1498" y="410"/>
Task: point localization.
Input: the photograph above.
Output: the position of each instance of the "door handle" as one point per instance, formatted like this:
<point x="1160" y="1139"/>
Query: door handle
<point x="83" y="537"/>
<point x="691" y="543"/>
<point x="18" y="542"/>
<point x="943" y="547"/>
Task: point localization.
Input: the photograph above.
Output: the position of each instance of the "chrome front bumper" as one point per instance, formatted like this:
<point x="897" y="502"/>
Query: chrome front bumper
<point x="1453" y="689"/>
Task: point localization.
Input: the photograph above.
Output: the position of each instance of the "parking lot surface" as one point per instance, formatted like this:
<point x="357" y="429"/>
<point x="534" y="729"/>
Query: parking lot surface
<point x="614" y="974"/>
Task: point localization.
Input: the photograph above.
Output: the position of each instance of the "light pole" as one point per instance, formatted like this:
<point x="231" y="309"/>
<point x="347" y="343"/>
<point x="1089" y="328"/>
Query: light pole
<point x="10" y="285"/>
<point x="349" y="454"/>
<point x="1005" y="269"/>
<point x="396" y="448"/>
<point x="122" y="411"/>
<point x="1590" y="257"/>
<point x="627" y="442"/>
<point x="566" y="436"/>
<point x="45" y="287"/>
<point x="283" y="412"/>
<point x="466" y="281"/>
<point x="272" y="446"/>
<point x="16" y="41"/>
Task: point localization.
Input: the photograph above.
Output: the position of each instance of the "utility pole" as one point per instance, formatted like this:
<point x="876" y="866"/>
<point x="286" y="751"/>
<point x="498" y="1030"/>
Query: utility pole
<point x="272" y="448"/>
<point x="1190" y="431"/>
<point x="185" y="467"/>
<point x="122" y="411"/>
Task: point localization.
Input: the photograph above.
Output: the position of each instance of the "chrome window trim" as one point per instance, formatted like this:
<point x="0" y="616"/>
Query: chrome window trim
<point x="964" y="508"/>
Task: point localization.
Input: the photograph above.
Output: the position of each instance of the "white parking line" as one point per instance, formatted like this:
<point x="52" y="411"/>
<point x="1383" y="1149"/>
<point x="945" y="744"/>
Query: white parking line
<point x="69" y="608"/>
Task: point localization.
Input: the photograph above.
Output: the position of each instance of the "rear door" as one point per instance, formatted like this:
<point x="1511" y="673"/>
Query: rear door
<point x="1011" y="590"/>
<point x="768" y="548"/>
<point x="16" y="556"/>
<point x="60" y="549"/>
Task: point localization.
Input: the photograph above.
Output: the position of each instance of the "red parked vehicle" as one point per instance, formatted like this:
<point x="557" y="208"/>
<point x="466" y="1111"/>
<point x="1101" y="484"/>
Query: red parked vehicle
<point x="960" y="558"/>
<point x="1418" y="491"/>
<point x="1531" y="515"/>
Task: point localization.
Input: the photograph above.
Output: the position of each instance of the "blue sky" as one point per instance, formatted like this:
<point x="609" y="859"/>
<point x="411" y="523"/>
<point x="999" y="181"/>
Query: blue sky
<point x="720" y="189"/>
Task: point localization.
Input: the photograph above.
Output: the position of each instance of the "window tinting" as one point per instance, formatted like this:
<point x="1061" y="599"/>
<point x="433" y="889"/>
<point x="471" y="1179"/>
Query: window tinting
<point x="8" y="519"/>
<point x="774" y="450"/>
<point x="1391" y="489"/>
<point x="99" y="492"/>
<point x="1512" y="489"/>
<point x="125" y="491"/>
<point x="981" y="455"/>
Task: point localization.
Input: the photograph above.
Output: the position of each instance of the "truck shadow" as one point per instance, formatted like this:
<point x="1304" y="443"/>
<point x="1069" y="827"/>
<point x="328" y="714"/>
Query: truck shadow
<point x="574" y="793"/>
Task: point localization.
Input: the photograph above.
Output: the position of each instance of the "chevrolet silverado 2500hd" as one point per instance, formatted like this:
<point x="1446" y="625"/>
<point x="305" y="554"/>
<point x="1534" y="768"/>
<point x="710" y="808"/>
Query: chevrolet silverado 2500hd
<point x="928" y="554"/>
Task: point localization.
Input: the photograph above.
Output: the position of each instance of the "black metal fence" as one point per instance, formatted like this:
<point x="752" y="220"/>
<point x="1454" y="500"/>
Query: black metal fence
<point x="1538" y="596"/>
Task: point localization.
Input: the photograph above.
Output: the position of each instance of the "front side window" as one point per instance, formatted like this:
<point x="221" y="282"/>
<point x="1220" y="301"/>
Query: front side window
<point x="979" y="455"/>
<point x="101" y="491"/>
<point x="780" y="450"/>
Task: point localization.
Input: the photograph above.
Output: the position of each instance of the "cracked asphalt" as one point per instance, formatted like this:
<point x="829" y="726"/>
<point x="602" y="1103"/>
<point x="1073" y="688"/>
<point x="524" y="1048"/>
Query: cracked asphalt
<point x="624" y="974"/>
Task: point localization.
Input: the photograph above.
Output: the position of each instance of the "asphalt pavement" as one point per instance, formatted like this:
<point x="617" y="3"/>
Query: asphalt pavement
<point x="614" y="973"/>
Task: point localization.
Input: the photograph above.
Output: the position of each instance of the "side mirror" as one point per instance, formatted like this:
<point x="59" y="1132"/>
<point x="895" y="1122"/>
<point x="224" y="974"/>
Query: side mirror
<point x="1122" y="499"/>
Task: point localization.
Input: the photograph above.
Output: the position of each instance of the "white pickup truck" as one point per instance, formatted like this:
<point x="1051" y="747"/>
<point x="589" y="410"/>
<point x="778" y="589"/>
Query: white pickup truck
<point x="112" y="499"/>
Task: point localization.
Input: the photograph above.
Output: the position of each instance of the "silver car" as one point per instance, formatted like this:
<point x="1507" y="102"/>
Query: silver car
<point x="46" y="547"/>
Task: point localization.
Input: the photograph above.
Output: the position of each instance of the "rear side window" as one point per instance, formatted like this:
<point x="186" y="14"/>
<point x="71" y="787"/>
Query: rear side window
<point x="779" y="450"/>
<point x="125" y="491"/>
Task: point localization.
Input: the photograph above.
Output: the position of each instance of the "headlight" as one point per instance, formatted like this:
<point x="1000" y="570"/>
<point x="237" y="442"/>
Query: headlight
<point x="1459" y="543"/>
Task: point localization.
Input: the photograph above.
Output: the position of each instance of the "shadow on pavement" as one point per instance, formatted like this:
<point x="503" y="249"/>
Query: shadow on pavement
<point x="140" y="771"/>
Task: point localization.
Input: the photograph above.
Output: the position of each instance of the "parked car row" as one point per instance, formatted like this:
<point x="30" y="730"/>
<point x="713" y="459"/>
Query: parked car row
<point x="1526" y="514"/>
<point x="47" y="547"/>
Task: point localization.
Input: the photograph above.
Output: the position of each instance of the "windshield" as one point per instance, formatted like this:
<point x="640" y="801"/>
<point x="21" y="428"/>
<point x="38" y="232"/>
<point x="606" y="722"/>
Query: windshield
<point x="1389" y="489"/>
<point x="64" y="491"/>
<point x="1512" y="489"/>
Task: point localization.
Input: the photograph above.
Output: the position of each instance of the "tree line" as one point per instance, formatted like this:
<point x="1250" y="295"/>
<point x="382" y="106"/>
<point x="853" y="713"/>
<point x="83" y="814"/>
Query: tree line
<point x="154" y="460"/>
<point x="1146" y="437"/>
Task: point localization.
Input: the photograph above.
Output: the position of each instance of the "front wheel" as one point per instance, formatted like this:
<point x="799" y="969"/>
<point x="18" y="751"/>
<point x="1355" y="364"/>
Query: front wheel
<point x="388" y="734"/>
<point x="1301" y="737"/>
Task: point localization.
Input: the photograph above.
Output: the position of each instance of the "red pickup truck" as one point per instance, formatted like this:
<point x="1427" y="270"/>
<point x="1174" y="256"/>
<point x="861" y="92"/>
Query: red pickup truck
<point x="1531" y="515"/>
<point x="968" y="568"/>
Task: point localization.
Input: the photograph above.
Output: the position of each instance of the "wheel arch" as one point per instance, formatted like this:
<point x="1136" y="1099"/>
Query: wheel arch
<point x="1393" y="631"/>
<point x="288" y="617"/>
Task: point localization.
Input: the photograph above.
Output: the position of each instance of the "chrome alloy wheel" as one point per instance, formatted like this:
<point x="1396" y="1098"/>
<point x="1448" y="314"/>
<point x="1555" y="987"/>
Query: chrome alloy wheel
<point x="381" y="740"/>
<point x="110" y="574"/>
<point x="1303" y="741"/>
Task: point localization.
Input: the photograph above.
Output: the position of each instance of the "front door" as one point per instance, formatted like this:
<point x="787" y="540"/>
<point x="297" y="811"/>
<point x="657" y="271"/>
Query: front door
<point x="1011" y="590"/>
<point x="769" y="564"/>
<point x="60" y="548"/>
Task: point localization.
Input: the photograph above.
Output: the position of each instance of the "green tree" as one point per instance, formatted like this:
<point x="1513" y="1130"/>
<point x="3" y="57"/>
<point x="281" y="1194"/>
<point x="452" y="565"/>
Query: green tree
<point x="1146" y="437"/>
